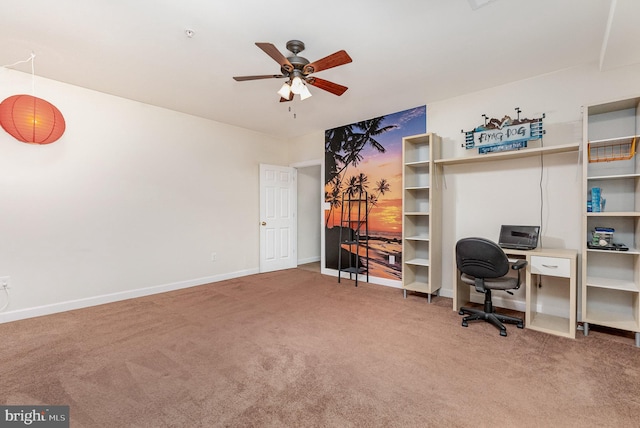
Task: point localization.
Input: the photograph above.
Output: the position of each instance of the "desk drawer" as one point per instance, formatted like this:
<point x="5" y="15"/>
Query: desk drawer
<point x="552" y="266"/>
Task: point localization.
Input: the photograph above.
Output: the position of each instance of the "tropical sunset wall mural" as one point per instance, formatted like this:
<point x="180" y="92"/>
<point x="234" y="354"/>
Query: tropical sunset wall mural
<point x="367" y="156"/>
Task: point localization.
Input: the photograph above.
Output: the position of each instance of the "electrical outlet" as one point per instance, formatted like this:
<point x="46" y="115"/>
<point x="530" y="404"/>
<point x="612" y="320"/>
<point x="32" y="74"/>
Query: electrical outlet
<point x="214" y="257"/>
<point x="4" y="282"/>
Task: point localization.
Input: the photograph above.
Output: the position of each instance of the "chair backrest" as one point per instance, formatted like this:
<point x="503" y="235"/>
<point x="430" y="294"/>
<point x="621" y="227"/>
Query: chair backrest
<point x="481" y="258"/>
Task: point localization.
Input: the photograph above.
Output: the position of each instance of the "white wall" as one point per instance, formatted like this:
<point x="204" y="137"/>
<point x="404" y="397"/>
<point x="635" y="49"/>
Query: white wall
<point x="305" y="150"/>
<point x="308" y="148"/>
<point x="309" y="219"/>
<point x="479" y="197"/>
<point x="132" y="199"/>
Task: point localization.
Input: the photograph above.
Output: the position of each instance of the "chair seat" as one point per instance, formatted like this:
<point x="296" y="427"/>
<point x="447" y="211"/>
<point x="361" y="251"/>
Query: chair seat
<point x="503" y="283"/>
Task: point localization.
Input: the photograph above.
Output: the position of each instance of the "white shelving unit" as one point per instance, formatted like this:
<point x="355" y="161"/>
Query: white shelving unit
<point x="421" y="218"/>
<point x="611" y="279"/>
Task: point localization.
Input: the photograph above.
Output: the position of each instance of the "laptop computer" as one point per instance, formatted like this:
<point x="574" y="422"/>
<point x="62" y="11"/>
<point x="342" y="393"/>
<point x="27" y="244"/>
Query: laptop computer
<point x="519" y="237"/>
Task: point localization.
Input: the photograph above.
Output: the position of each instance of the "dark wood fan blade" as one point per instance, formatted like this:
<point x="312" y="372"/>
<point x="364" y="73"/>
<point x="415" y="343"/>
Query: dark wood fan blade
<point x="334" y="88"/>
<point x="264" y="76"/>
<point x="274" y="53"/>
<point x="333" y="60"/>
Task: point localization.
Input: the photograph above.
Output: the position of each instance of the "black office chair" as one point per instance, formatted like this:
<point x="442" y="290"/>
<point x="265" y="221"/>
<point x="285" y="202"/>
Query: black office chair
<point x="482" y="263"/>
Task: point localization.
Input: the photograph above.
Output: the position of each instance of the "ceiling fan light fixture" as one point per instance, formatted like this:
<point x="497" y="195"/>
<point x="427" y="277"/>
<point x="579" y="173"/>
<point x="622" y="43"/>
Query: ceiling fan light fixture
<point x="297" y="69"/>
<point x="304" y="93"/>
<point x="297" y="85"/>
<point x="285" y="91"/>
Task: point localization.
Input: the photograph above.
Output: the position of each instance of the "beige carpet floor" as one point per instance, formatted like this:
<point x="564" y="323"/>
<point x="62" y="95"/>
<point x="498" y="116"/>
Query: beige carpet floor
<point x="296" y="349"/>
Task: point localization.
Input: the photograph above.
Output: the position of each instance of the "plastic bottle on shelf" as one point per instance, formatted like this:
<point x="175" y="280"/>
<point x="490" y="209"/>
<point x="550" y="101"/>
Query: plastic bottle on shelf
<point x="595" y="199"/>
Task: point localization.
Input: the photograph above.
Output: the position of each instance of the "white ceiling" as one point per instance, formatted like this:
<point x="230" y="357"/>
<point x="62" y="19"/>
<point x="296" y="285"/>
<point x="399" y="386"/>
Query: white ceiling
<point x="405" y="52"/>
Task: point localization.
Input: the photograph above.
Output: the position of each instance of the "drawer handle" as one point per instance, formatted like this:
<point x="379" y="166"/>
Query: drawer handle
<point x="550" y="266"/>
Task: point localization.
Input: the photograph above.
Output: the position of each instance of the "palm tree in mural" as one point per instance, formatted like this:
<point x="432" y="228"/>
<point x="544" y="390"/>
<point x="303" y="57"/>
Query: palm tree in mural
<point x="343" y="146"/>
<point x="382" y="187"/>
<point x="334" y="199"/>
<point x="358" y="184"/>
<point x="335" y="140"/>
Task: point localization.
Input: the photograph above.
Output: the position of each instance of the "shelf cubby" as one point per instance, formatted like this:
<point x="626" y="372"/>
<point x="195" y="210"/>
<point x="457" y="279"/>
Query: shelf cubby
<point x="612" y="307"/>
<point x="416" y="199"/>
<point x="611" y="279"/>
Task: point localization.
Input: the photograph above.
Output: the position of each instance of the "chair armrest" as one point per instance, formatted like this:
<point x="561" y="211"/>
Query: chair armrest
<point x="519" y="264"/>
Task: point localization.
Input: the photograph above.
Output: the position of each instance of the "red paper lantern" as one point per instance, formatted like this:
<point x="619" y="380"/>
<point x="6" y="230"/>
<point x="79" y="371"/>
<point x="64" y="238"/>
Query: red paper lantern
<point x="31" y="119"/>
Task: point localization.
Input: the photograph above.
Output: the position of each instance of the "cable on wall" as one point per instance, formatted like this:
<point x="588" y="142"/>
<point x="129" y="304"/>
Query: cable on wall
<point x="8" y="298"/>
<point x="541" y="204"/>
<point x="541" y="196"/>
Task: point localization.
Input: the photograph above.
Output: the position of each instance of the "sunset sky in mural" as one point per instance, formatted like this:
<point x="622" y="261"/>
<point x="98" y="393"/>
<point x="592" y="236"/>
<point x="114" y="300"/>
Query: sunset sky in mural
<point x="387" y="215"/>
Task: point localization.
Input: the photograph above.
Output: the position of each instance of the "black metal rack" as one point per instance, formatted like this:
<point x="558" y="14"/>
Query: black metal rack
<point x="354" y="232"/>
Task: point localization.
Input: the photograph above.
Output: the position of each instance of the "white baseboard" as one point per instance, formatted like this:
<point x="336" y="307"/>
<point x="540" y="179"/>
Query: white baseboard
<point x="446" y="292"/>
<point x="372" y="279"/>
<point x="500" y="302"/>
<point x="70" y="305"/>
<point x="308" y="260"/>
<point x="115" y="297"/>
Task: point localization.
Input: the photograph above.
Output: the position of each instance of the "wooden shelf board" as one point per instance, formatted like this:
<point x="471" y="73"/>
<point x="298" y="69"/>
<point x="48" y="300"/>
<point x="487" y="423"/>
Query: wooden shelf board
<point x="613" y="106"/>
<point x="551" y="324"/>
<point x="417" y="188"/>
<point x="614" y="177"/>
<point x="514" y="154"/>
<point x="417" y="163"/>
<point x="630" y="251"/>
<point x="611" y="319"/>
<point x="416" y="213"/>
<point x="417" y="238"/>
<point x="418" y="262"/>
<point x="421" y="287"/>
<point x="615" y="214"/>
<point x="607" y="141"/>
<point x="612" y="284"/>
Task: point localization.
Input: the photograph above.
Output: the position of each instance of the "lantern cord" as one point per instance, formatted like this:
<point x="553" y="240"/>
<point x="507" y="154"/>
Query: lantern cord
<point x="22" y="62"/>
<point x="31" y="58"/>
<point x="33" y="75"/>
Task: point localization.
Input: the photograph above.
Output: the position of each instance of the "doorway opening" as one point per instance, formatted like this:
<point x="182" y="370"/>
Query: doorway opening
<point x="309" y="196"/>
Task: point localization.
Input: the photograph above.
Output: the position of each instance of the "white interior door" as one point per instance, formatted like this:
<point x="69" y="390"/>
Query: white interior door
<point x="278" y="222"/>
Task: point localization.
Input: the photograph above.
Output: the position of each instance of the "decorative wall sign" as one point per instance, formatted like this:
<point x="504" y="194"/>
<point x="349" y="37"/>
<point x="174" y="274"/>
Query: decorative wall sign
<point x="497" y="135"/>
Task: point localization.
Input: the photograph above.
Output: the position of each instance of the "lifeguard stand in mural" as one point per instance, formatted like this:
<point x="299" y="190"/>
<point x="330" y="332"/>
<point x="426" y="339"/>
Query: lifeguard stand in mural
<point x="354" y="232"/>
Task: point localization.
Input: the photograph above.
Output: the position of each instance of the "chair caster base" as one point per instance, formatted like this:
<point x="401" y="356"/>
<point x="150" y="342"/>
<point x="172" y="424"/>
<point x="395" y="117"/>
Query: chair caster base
<point x="490" y="317"/>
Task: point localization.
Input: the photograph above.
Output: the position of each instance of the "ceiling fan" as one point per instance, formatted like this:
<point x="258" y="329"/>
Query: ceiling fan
<point x="298" y="71"/>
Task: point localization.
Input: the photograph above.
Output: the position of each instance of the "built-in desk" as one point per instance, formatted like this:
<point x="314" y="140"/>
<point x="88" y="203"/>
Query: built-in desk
<point x="541" y="261"/>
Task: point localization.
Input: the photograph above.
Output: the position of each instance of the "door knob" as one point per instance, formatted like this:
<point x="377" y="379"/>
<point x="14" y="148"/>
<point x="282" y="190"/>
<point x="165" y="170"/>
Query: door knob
<point x="264" y="223"/>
